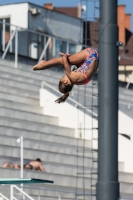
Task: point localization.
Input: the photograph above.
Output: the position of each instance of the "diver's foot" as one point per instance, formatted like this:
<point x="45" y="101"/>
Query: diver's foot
<point x="39" y="66"/>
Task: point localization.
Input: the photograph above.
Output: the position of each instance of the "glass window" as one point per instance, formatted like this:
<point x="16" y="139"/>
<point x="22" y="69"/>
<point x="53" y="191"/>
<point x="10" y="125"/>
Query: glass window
<point x="4" y="32"/>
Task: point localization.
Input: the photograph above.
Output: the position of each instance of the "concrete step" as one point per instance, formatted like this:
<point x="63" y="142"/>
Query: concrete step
<point x="63" y="193"/>
<point x="57" y="157"/>
<point x="48" y="136"/>
<point x="19" y="99"/>
<point x="20" y="78"/>
<point x="19" y="84"/>
<point x="36" y="81"/>
<point x="126" y="188"/>
<point x="121" y="166"/>
<point x="59" y="180"/>
<point x="126" y="177"/>
<point x="51" y="167"/>
<point x="30" y="78"/>
<point x="60" y="168"/>
<point x="125" y="104"/>
<point x="24" y="89"/>
<point x="125" y="196"/>
<point x="20" y="106"/>
<point x="22" y="86"/>
<point x="28" y="69"/>
<point x="127" y="98"/>
<point x="29" y="73"/>
<point x="36" y="127"/>
<point x="14" y="73"/>
<point x="19" y="92"/>
<point x="125" y="92"/>
<point x="46" y="146"/>
<point x="51" y="192"/>
<point x="37" y="119"/>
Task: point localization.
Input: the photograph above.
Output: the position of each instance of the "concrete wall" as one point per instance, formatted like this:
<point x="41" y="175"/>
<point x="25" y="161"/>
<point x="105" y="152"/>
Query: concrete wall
<point x="18" y="14"/>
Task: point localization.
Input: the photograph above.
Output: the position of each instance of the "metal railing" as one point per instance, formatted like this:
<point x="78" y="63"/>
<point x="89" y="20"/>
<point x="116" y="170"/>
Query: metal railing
<point x="59" y="191"/>
<point x="4" y="198"/>
<point x="14" y="34"/>
<point x="21" y="192"/>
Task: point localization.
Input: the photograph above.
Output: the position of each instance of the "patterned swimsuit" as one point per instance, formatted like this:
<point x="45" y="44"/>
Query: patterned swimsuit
<point x="92" y="55"/>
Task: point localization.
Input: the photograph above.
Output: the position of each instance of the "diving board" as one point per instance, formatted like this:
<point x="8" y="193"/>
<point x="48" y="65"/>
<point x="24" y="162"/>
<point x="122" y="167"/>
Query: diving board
<point x="24" y="181"/>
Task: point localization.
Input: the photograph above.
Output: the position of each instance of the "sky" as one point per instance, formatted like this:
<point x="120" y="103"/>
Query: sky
<point x="69" y="3"/>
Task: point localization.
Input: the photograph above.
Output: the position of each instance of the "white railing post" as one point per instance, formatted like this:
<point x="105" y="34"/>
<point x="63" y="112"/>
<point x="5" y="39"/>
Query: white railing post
<point x="21" y="144"/>
<point x="131" y="76"/>
<point x="20" y="141"/>
<point x="21" y="155"/>
<point x="11" y="192"/>
<point x="39" y="195"/>
<point x="44" y="50"/>
<point x="4" y="27"/>
<point x="16" y="49"/>
<point x="8" y="45"/>
<point x="3" y="197"/>
<point x="76" y="129"/>
<point x="11" y="41"/>
<point x="21" y="191"/>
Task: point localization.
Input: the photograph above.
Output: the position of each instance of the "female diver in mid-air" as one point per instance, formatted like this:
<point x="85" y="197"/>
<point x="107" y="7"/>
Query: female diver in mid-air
<point x="87" y="64"/>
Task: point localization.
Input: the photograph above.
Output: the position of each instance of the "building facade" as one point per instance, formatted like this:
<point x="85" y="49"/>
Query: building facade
<point x="62" y="29"/>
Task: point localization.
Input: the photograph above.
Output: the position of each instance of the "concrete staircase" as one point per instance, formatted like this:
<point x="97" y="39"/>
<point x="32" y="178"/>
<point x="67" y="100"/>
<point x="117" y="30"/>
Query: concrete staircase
<point x="56" y="146"/>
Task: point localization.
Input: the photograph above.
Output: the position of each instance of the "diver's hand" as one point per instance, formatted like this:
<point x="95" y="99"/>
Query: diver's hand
<point x="62" y="54"/>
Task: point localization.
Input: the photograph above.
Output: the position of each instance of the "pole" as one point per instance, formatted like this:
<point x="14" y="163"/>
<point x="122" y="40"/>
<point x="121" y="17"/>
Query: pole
<point x="44" y="50"/>
<point x="16" y="49"/>
<point x="11" y="192"/>
<point x="108" y="186"/>
<point x="4" y="28"/>
<point x="21" y="160"/>
<point x="21" y="175"/>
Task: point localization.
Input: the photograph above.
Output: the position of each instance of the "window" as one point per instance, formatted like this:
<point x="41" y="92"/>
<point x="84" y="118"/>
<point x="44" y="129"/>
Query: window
<point x="4" y="32"/>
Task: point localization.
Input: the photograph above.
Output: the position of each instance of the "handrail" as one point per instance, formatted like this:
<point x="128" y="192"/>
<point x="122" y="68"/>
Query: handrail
<point x="131" y="76"/>
<point x="9" y="43"/>
<point x="43" y="34"/>
<point x="20" y="190"/>
<point x="3" y="196"/>
<point x="44" y="50"/>
<point x="74" y="101"/>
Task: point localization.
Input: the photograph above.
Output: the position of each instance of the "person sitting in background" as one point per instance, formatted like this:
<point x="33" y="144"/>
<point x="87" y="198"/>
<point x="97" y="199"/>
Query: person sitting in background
<point x="7" y="165"/>
<point x="35" y="165"/>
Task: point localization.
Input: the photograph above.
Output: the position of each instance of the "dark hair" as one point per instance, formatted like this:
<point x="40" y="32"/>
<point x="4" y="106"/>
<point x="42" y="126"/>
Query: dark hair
<point x="65" y="89"/>
<point x="38" y="159"/>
